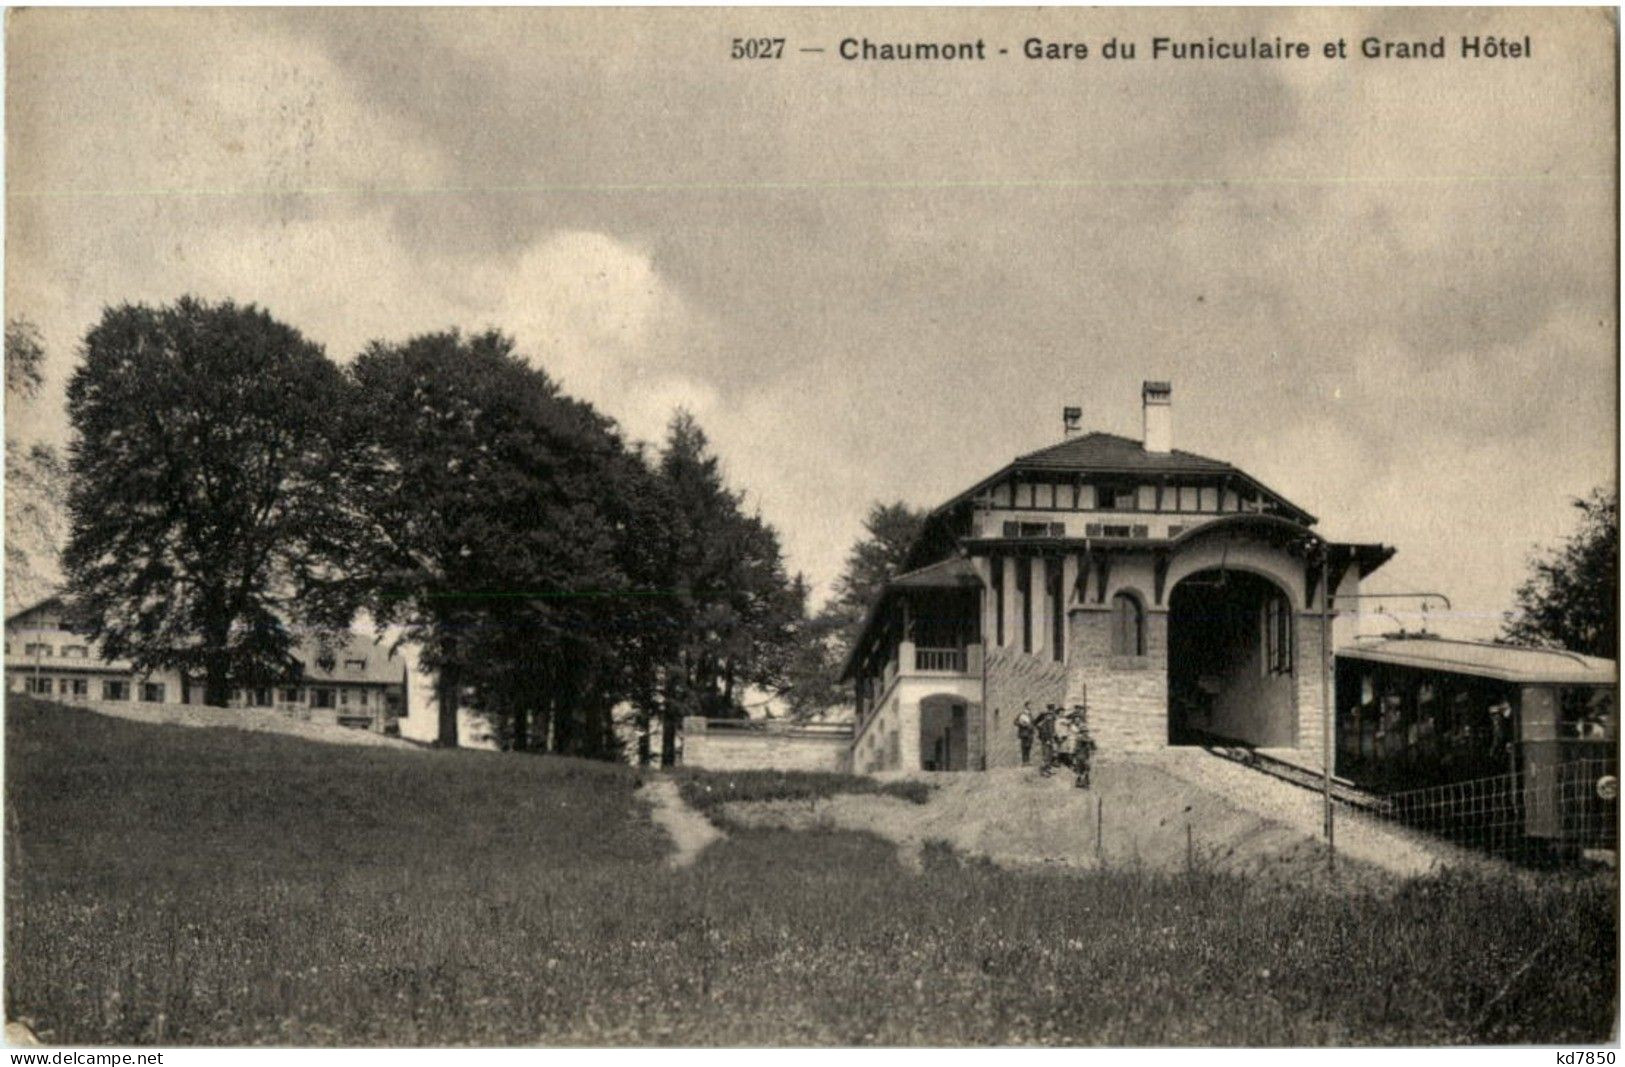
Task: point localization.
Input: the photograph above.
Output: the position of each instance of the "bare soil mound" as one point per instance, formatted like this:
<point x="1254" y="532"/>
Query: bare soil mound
<point x="1138" y="814"/>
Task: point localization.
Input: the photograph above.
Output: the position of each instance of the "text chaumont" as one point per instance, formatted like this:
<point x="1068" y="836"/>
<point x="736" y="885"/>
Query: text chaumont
<point x="863" y="48"/>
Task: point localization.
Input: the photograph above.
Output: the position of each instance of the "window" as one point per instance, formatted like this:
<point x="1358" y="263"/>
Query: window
<point x="1277" y="636"/>
<point x="1210" y="498"/>
<point x="115" y="690"/>
<point x="1116" y="531"/>
<point x="321" y="698"/>
<point x="355" y="664"/>
<point x="36" y="649"/>
<point x="152" y="692"/>
<point x="361" y="698"/>
<point x="290" y="696"/>
<point x="1044" y="495"/>
<point x="76" y="651"/>
<point x="1116" y="498"/>
<point x="1128" y="626"/>
<point x="40" y="686"/>
<point x="262" y="698"/>
<point x="78" y="687"/>
<point x="1188" y="498"/>
<point x="1024" y="495"/>
<point x="1001" y="495"/>
<point x="344" y="696"/>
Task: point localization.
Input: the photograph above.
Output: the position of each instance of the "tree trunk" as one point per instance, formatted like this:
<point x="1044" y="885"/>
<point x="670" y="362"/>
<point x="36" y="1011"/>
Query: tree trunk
<point x="521" y="723"/>
<point x="668" y="737"/>
<point x="448" y="708"/>
<point x="217" y="681"/>
<point x="645" y="754"/>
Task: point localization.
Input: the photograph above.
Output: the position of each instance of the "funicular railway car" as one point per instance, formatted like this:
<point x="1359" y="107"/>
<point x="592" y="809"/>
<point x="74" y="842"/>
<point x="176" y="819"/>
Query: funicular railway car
<point x="1492" y="745"/>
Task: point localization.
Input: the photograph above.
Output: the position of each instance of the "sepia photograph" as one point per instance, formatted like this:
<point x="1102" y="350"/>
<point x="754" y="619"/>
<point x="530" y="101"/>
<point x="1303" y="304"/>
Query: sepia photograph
<point x="811" y="527"/>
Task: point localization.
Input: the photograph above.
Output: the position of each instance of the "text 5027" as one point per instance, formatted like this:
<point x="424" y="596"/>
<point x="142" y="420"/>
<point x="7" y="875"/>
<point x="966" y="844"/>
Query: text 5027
<point x="758" y="48"/>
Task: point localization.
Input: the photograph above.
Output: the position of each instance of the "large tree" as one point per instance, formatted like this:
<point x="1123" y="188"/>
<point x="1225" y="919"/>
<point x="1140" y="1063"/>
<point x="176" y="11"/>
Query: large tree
<point x="510" y="532"/>
<point x="1571" y="598"/>
<point x="739" y="608"/>
<point x="36" y="482"/>
<point x="204" y="515"/>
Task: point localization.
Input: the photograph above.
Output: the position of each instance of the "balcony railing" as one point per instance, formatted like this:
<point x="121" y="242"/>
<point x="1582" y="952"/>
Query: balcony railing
<point x="940" y="659"/>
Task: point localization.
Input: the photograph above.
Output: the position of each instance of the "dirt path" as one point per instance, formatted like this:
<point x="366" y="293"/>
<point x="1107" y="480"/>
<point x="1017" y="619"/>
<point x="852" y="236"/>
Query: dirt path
<point x="689" y="831"/>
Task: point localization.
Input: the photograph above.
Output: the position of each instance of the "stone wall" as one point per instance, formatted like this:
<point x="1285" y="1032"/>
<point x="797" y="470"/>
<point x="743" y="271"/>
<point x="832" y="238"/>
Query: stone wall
<point x="765" y="747"/>
<point x="1127" y="696"/>
<point x="1014" y="678"/>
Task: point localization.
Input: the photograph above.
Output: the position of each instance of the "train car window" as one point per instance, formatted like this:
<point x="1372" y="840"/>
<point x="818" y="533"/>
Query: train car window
<point x="1584" y="713"/>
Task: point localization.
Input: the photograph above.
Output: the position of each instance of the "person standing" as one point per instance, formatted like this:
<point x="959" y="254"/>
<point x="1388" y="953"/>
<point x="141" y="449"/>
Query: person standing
<point x="1046" y="737"/>
<point x="1024" y="732"/>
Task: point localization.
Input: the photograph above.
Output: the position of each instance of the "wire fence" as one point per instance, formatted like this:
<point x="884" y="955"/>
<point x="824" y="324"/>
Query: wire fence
<point x="1546" y="812"/>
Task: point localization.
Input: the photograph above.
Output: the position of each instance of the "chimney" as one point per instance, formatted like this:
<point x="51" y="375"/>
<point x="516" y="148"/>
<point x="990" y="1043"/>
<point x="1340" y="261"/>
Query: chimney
<point x="1070" y="417"/>
<point x="1158" y="401"/>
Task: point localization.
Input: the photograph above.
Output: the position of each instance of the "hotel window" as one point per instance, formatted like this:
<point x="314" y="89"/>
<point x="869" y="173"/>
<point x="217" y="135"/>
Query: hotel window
<point x="1146" y="500"/>
<point x="361" y="698"/>
<point x="115" y="690"/>
<point x="36" y="649"/>
<point x="1277" y="636"/>
<point x="355" y="664"/>
<point x="290" y="696"/>
<point x="78" y="687"/>
<point x="152" y="692"/>
<point x="344" y="696"/>
<point x="262" y="698"/>
<point x="1044" y="495"/>
<point x="1001" y="495"/>
<point x="1024" y="495"/>
<point x="1188" y="498"/>
<point x="1210" y="499"/>
<point x="1128" y="626"/>
<point x="1086" y="497"/>
<point x="76" y="651"/>
<point x="321" y="698"/>
<point x="41" y="686"/>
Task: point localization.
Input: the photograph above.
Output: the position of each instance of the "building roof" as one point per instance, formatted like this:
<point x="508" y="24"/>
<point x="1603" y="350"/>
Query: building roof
<point x="950" y="573"/>
<point x="1109" y="453"/>
<point x="1506" y="663"/>
<point x="378" y="662"/>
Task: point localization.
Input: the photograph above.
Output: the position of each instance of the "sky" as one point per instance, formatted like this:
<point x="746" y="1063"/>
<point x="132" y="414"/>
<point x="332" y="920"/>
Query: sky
<point x="1385" y="288"/>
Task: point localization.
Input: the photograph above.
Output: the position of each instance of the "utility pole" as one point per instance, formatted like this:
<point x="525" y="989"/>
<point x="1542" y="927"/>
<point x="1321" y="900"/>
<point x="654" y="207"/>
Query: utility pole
<point x="1326" y="700"/>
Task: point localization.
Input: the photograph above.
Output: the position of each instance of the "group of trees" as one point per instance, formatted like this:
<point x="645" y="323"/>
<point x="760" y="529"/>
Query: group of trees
<point x="234" y="491"/>
<point x="230" y="491"/>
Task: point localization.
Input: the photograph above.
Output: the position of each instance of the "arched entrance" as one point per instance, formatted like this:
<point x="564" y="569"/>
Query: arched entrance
<point x="944" y="733"/>
<point x="1232" y="663"/>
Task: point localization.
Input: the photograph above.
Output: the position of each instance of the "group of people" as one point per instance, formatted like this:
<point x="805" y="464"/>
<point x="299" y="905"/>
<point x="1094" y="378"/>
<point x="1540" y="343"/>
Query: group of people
<point x="1063" y="735"/>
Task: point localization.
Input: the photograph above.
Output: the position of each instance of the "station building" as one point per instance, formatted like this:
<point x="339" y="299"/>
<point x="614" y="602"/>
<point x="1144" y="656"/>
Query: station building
<point x="1176" y="595"/>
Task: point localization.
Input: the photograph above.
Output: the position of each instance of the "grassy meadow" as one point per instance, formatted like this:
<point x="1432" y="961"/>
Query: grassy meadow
<point x="189" y="886"/>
